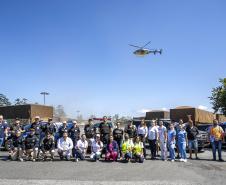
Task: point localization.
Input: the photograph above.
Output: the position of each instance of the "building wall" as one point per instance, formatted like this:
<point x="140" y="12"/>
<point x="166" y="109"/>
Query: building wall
<point x="26" y="111"/>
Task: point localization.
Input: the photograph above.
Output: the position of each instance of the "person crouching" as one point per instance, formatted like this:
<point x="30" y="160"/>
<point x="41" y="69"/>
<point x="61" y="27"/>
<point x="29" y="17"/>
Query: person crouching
<point x="112" y="150"/>
<point x="30" y="145"/>
<point x="127" y="148"/>
<point x="48" y="146"/>
<point x="96" y="148"/>
<point x="81" y="148"/>
<point x="138" y="150"/>
<point x="64" y="146"/>
<point x="16" y="142"/>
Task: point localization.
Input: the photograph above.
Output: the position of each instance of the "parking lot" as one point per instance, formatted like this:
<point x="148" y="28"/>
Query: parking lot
<point x="203" y="171"/>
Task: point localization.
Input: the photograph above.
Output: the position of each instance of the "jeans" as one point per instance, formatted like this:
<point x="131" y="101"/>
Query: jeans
<point x="95" y="156"/>
<point x="128" y="156"/>
<point x="172" y="150"/>
<point x="1" y="141"/>
<point x="193" y="144"/>
<point x="182" y="150"/>
<point x="216" y="145"/>
<point x="79" y="154"/>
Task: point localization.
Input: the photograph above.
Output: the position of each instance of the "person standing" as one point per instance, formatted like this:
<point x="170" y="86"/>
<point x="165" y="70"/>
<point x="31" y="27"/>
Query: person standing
<point x="177" y="129"/>
<point x="171" y="139"/>
<point x="118" y="137"/>
<point x="3" y="130"/>
<point x="36" y="125"/>
<point x="105" y="129"/>
<point x="142" y="132"/>
<point x="49" y="127"/>
<point x="152" y="139"/>
<point x="63" y="128"/>
<point x="162" y="140"/>
<point x="16" y="126"/>
<point x="131" y="130"/>
<point x="74" y="134"/>
<point x="89" y="129"/>
<point x="182" y="143"/>
<point x="192" y="132"/>
<point x="216" y="138"/>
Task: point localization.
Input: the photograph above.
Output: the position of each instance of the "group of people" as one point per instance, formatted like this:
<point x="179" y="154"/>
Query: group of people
<point x="103" y="140"/>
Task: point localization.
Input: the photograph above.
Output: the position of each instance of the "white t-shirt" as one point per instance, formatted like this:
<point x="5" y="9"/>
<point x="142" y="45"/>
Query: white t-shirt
<point x="97" y="147"/>
<point x="142" y="130"/>
<point x="152" y="132"/>
<point x="65" y="144"/>
<point x="82" y="145"/>
<point x="162" y="131"/>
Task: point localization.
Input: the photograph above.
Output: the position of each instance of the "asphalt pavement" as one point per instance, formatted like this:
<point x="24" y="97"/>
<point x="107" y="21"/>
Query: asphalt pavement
<point x="203" y="171"/>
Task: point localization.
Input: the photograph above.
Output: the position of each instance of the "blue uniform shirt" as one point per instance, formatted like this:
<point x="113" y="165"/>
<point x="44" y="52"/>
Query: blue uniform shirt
<point x="3" y="126"/>
<point x="181" y="136"/>
<point x="171" y="134"/>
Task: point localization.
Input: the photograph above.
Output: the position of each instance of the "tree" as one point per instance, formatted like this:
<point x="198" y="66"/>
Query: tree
<point x="92" y="116"/>
<point x="218" y="97"/>
<point x="19" y="101"/>
<point x="4" y="101"/>
<point x="59" y="112"/>
<point x="115" y="118"/>
<point x="80" y="118"/>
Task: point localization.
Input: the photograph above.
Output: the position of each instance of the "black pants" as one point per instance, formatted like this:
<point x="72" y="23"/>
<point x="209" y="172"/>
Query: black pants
<point x="105" y="139"/>
<point x="152" y="144"/>
<point x="142" y="139"/>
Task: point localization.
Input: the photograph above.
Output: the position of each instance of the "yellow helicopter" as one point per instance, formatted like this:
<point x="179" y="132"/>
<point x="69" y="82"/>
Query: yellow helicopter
<point x="142" y="51"/>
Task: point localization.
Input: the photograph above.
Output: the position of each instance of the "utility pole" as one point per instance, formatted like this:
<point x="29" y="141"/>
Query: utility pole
<point x="44" y="95"/>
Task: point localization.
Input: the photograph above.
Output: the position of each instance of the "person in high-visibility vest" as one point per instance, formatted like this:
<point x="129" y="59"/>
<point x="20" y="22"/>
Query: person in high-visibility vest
<point x="138" y="150"/>
<point x="127" y="148"/>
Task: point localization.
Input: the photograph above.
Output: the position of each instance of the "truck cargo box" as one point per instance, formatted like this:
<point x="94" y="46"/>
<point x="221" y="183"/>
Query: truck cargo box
<point x="26" y="112"/>
<point x="221" y="118"/>
<point x="197" y="115"/>
<point x="157" y="115"/>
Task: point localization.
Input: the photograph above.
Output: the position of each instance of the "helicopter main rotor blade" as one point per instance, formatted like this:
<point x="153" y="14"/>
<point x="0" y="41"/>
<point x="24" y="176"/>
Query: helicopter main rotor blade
<point x="146" y="44"/>
<point x="134" y="46"/>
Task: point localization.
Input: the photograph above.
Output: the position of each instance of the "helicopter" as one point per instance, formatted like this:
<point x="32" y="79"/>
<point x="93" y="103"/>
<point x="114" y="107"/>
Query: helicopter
<point x="142" y="51"/>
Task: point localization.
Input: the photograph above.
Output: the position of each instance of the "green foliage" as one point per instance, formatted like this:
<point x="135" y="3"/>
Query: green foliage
<point x="4" y="101"/>
<point x="218" y="97"/>
<point x="19" y="101"/>
<point x="59" y="112"/>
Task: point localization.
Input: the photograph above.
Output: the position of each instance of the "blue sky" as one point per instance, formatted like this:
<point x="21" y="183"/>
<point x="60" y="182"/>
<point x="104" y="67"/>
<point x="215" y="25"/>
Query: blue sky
<point x="78" y="51"/>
